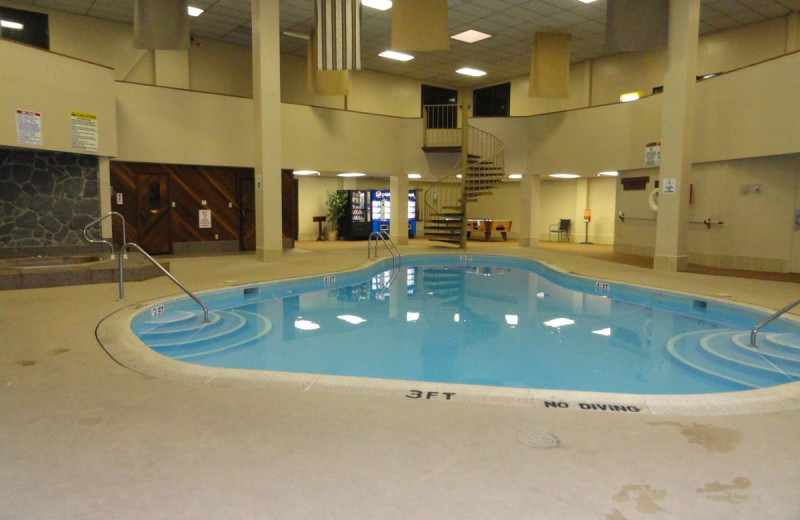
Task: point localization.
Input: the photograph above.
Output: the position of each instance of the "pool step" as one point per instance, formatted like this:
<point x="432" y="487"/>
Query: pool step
<point x="725" y="354"/>
<point x="183" y="334"/>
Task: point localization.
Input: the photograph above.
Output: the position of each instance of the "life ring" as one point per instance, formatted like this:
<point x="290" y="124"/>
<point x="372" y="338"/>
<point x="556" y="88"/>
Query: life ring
<point x="652" y="200"/>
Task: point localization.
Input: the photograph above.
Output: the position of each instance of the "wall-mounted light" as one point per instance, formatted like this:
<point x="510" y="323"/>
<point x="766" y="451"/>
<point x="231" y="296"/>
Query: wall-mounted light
<point x="630" y="96"/>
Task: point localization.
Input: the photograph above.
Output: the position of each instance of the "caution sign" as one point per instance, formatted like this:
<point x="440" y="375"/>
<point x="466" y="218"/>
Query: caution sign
<point x="204" y="218"/>
<point x="83" y="131"/>
<point x="652" y="154"/>
<point x="29" y="127"/>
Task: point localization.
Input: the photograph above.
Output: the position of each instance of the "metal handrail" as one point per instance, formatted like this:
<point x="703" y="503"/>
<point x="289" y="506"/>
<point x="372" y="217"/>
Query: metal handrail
<point x="111" y="246"/>
<point x="169" y="275"/>
<point x="770" y="319"/>
<point x="383" y="235"/>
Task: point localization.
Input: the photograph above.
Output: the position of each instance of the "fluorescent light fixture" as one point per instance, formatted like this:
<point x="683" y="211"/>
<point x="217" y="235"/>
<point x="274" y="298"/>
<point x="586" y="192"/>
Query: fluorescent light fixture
<point x="399" y="56"/>
<point x="297" y="35"/>
<point x="414" y="176"/>
<point x="587" y="1"/>
<point x="602" y="332"/>
<point x="515" y="176"/>
<point x="302" y="324"/>
<point x="194" y="11"/>
<point x="349" y="318"/>
<point x="471" y="36"/>
<point x="608" y="174"/>
<point x="352" y="174"/>
<point x="564" y="175"/>
<point x="512" y="319"/>
<point x="380" y="5"/>
<point x="305" y="172"/>
<point x="471" y="72"/>
<point x="8" y="24"/>
<point x="412" y="316"/>
<point x="559" y="322"/>
<point x="708" y="76"/>
<point x="630" y="96"/>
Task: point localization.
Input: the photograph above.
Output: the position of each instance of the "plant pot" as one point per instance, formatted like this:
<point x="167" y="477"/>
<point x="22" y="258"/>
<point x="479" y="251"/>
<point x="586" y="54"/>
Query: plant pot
<point x="333" y="235"/>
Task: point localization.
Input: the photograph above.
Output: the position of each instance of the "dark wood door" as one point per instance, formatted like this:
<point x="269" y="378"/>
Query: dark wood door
<point x="247" y="211"/>
<point x="289" y="208"/>
<point x="154" y="206"/>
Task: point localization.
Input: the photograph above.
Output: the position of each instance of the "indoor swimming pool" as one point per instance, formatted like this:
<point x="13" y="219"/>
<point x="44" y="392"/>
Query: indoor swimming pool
<point x="479" y="320"/>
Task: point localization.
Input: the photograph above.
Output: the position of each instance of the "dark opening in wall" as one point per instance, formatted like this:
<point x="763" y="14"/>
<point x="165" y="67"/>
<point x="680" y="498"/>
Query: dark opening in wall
<point x="492" y="101"/>
<point x="25" y="27"/>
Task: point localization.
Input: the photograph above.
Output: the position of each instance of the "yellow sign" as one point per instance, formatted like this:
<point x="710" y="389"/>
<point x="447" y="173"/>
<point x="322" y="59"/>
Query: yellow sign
<point x="83" y="115"/>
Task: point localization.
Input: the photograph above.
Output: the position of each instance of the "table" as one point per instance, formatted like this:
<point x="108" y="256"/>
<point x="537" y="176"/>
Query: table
<point x="487" y="226"/>
<point x="319" y="221"/>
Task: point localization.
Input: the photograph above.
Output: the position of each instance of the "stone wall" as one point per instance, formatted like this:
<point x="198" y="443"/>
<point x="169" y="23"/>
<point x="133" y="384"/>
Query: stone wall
<point x="46" y="198"/>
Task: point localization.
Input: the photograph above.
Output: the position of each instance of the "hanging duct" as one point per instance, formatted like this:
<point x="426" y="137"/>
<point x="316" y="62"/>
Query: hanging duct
<point x="636" y="25"/>
<point x="550" y="66"/>
<point x="325" y="82"/>
<point x="420" y="25"/>
<point x="161" y="24"/>
<point x="338" y="35"/>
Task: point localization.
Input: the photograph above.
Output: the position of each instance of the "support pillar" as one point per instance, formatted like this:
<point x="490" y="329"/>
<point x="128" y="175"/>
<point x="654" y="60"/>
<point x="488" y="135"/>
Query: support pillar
<point x="398" y="210"/>
<point x="104" y="182"/>
<point x="677" y="132"/>
<point x="529" y="210"/>
<point x="267" y="131"/>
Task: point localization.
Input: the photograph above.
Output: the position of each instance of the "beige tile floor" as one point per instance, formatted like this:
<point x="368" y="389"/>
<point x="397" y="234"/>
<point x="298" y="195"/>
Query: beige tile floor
<point x="83" y="437"/>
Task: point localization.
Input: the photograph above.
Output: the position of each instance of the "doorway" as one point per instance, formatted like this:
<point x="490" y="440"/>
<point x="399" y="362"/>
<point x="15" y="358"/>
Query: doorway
<point x="153" y="218"/>
<point x="247" y="212"/>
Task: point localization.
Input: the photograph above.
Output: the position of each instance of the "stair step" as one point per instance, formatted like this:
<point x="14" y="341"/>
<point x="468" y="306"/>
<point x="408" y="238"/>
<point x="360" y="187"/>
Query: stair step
<point x="478" y="193"/>
<point x="456" y="242"/>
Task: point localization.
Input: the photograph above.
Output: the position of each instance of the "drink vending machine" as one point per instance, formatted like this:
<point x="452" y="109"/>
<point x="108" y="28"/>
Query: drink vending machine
<point x="355" y="224"/>
<point x="380" y="205"/>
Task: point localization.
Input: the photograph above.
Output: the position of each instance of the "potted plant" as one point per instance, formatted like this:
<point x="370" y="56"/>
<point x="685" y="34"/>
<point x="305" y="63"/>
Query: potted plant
<point x="337" y="208"/>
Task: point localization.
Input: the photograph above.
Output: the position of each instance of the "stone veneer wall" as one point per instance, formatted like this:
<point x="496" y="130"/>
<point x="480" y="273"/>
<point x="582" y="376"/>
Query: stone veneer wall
<point x="46" y="198"/>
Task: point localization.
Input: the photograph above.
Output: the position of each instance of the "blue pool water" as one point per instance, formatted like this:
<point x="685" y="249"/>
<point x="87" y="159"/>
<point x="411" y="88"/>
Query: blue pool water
<point x="482" y="320"/>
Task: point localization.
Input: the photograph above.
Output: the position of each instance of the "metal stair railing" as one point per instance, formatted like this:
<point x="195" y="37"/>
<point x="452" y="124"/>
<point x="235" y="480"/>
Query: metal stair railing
<point x="769" y="319"/>
<point x="123" y="253"/>
<point x="384" y="236"/>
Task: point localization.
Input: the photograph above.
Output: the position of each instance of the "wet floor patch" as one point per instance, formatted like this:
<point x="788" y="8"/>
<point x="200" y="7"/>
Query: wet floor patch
<point x="26" y="362"/>
<point x="714" y="439"/>
<point x="733" y="493"/>
<point x="58" y="351"/>
<point x="646" y="498"/>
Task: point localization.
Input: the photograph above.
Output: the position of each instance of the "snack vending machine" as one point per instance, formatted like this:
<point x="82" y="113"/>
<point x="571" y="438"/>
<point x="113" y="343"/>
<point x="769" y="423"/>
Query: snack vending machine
<point x="355" y="224"/>
<point x="380" y="206"/>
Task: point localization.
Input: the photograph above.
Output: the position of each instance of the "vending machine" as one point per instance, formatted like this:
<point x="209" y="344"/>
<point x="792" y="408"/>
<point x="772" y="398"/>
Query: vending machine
<point x="355" y="224"/>
<point x="380" y="207"/>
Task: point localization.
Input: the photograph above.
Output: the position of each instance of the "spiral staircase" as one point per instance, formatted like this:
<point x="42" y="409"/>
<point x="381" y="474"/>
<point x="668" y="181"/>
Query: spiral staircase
<point x="481" y="169"/>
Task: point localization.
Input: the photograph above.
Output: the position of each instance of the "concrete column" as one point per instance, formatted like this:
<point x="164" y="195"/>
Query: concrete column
<point x="677" y="132"/>
<point x="578" y="229"/>
<point x="172" y="68"/>
<point x="267" y="131"/>
<point x="398" y="211"/>
<point x="104" y="183"/>
<point x="529" y="210"/>
<point x="792" y="30"/>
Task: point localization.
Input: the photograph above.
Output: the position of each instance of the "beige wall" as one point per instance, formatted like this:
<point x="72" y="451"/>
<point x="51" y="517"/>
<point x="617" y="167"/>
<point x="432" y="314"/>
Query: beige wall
<point x="502" y="204"/>
<point x="39" y="81"/>
<point x="220" y="67"/>
<point x="579" y="79"/>
<point x="294" y="85"/>
<point x="378" y="93"/>
<point x="312" y="193"/>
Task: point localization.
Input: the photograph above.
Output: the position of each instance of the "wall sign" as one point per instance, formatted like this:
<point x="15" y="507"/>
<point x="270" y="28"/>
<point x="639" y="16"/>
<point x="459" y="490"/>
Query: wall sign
<point x="83" y="131"/>
<point x="204" y="218"/>
<point x="29" y="127"/>
<point x="652" y="154"/>
<point x="669" y="185"/>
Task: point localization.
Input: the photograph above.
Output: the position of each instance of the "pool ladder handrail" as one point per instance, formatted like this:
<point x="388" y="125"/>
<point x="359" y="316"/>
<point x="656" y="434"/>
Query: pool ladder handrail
<point x="397" y="258"/>
<point x="123" y="253"/>
<point x="769" y="319"/>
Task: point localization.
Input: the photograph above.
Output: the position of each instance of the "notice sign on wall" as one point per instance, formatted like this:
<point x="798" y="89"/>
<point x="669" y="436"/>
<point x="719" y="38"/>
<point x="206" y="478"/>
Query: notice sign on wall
<point x="652" y="154"/>
<point x="205" y="218"/>
<point x="29" y="127"/>
<point x="83" y="131"/>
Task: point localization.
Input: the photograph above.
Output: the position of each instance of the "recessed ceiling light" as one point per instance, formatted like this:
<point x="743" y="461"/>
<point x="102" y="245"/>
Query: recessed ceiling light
<point x="471" y="36"/>
<point x="564" y="175"/>
<point x="471" y="72"/>
<point x="587" y="1"/>
<point x="305" y="172"/>
<point x="8" y="24"/>
<point x="352" y="174"/>
<point x="399" y="56"/>
<point x="194" y="11"/>
<point x="414" y="176"/>
<point x="630" y="96"/>
<point x="608" y="174"/>
<point x="380" y="5"/>
<point x="515" y="176"/>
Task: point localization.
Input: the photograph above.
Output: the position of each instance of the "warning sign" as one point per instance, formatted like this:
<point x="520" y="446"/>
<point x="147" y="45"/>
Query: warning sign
<point x="205" y="218"/>
<point x="652" y="154"/>
<point x="29" y="127"/>
<point x="83" y="130"/>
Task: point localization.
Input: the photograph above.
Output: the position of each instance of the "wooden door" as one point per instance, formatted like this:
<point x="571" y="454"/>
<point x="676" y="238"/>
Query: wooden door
<point x="153" y="229"/>
<point x="247" y="214"/>
<point x="289" y="208"/>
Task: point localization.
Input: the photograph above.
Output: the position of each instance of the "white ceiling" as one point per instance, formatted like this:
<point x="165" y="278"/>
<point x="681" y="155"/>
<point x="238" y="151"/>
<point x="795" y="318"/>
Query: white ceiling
<point x="512" y="23"/>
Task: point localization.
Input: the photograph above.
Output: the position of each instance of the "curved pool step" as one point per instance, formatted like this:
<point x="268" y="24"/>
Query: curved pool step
<point x="227" y="323"/>
<point x="769" y="347"/>
<point x="175" y="323"/>
<point x="732" y="348"/>
<point x="750" y="369"/>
